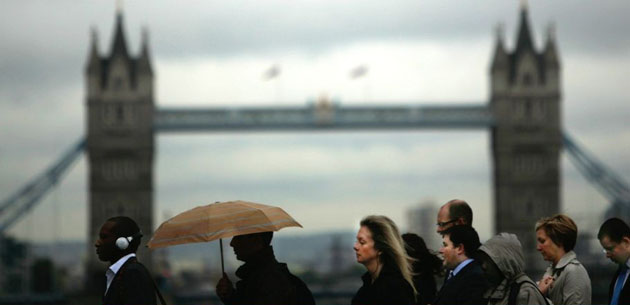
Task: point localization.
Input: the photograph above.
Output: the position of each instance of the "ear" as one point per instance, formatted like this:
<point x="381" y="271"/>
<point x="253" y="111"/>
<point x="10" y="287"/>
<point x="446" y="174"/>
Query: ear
<point x="460" y="221"/>
<point x="625" y="241"/>
<point x="459" y="249"/>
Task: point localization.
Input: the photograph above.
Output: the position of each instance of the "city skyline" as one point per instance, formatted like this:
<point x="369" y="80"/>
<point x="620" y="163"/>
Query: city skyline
<point x="326" y="181"/>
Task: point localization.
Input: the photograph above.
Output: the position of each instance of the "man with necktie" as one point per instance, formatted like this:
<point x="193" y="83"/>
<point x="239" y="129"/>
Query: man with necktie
<point x="614" y="236"/>
<point x="465" y="282"/>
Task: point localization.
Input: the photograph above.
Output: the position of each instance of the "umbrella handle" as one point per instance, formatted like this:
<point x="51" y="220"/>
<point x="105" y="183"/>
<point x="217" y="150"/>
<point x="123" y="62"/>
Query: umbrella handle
<point x="221" y="246"/>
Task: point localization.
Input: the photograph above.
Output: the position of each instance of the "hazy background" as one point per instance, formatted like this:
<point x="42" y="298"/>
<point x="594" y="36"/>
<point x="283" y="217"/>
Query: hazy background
<point x="215" y="53"/>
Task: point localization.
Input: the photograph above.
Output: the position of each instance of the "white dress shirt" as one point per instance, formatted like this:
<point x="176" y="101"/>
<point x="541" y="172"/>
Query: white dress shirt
<point x="113" y="269"/>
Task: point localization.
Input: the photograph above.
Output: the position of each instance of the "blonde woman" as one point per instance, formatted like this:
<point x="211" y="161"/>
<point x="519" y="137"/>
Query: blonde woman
<point x="566" y="280"/>
<point x="380" y="249"/>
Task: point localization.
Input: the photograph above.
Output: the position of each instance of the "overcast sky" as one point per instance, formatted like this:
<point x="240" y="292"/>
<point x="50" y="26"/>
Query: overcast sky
<point x="214" y="53"/>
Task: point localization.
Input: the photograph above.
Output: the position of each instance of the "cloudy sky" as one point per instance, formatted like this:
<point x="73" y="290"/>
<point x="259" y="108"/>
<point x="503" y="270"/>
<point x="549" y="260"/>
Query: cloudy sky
<point x="214" y="53"/>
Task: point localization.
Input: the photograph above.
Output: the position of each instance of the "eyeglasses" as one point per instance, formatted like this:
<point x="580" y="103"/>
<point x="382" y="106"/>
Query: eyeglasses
<point x="608" y="251"/>
<point x="443" y="224"/>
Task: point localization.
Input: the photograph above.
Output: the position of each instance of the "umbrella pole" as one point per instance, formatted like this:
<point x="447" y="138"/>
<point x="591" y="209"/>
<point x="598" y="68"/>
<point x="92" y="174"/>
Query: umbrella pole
<point x="221" y="246"/>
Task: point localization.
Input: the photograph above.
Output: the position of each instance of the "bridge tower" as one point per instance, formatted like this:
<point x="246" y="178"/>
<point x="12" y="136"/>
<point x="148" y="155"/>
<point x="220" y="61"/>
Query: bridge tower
<point x="120" y="140"/>
<point x="527" y="137"/>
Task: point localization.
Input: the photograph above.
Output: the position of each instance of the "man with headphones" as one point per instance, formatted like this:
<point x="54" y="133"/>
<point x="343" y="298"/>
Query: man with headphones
<point x="128" y="281"/>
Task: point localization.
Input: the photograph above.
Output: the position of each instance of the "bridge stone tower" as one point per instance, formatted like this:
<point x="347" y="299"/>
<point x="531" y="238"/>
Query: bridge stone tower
<point x="526" y="138"/>
<point x="120" y="141"/>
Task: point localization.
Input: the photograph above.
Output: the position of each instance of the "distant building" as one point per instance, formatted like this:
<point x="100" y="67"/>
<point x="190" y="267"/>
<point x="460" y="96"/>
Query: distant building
<point x="421" y="220"/>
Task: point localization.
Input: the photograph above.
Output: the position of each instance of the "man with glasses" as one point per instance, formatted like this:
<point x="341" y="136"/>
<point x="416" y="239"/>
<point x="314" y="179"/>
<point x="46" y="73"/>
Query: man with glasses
<point x="614" y="236"/>
<point x="454" y="212"/>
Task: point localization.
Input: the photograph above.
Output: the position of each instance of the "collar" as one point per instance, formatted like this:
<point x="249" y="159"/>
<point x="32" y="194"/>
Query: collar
<point x="565" y="260"/>
<point x="386" y="270"/>
<point x="119" y="263"/>
<point x="258" y="260"/>
<point x="627" y="264"/>
<point x="462" y="265"/>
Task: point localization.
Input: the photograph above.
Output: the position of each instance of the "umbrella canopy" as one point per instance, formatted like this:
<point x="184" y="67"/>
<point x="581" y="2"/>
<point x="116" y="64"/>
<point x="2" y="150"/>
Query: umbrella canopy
<point x="220" y="220"/>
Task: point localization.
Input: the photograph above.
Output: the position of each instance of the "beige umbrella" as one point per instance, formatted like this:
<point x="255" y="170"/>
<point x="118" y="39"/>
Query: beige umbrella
<point x="220" y="220"/>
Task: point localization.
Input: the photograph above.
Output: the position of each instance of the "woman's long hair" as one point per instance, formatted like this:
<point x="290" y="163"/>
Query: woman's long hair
<point x="387" y="240"/>
<point x="427" y="263"/>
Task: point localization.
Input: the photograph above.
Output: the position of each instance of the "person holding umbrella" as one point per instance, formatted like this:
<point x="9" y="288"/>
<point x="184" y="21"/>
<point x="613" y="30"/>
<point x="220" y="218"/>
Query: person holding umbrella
<point x="381" y="250"/>
<point x="264" y="280"/>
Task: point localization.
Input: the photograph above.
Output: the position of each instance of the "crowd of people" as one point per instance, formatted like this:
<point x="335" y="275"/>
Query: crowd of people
<point x="400" y="270"/>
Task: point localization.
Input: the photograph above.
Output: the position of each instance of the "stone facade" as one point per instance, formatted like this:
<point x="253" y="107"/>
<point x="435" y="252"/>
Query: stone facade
<point x="120" y="139"/>
<point x="526" y="138"/>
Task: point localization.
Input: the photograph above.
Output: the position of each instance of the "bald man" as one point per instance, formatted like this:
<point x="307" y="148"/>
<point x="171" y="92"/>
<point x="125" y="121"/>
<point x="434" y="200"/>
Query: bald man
<point x="454" y="212"/>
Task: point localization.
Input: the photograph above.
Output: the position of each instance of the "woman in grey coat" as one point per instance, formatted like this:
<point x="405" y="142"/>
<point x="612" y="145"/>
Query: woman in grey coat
<point x="566" y="280"/>
<point x="503" y="262"/>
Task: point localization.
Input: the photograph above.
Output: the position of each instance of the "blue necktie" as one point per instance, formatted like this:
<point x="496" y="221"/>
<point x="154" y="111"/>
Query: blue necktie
<point x="619" y="285"/>
<point x="449" y="277"/>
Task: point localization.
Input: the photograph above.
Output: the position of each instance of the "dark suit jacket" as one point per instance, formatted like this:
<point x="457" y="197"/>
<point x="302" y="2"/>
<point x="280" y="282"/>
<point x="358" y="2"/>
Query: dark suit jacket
<point x="467" y="287"/>
<point x="624" y="297"/>
<point x="390" y="288"/>
<point x="132" y="285"/>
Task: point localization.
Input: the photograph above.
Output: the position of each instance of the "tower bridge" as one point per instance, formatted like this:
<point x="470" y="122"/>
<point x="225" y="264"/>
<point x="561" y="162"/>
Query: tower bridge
<point x="523" y="115"/>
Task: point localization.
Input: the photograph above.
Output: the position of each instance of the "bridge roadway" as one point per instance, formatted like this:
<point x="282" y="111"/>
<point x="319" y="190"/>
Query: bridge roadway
<point x="322" y="116"/>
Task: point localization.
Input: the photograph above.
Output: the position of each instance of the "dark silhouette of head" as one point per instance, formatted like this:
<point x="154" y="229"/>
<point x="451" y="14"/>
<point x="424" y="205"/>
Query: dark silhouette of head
<point x="426" y="262"/>
<point x="247" y="246"/>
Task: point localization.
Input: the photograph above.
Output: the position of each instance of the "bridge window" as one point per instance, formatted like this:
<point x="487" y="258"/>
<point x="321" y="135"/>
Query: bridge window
<point x="528" y="80"/>
<point x="119" y="170"/>
<point x="118" y="115"/>
<point x="539" y="110"/>
<point x="528" y="109"/>
<point x="529" y="165"/>
<point x="118" y="82"/>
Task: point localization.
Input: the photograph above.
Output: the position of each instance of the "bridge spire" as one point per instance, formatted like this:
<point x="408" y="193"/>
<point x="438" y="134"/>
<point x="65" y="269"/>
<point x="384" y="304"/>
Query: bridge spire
<point x="524" y="39"/>
<point x="119" y="7"/>
<point x="119" y="45"/>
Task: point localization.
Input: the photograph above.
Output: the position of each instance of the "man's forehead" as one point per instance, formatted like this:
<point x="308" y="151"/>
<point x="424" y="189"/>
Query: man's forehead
<point x="606" y="240"/>
<point x="444" y="210"/>
<point x="108" y="226"/>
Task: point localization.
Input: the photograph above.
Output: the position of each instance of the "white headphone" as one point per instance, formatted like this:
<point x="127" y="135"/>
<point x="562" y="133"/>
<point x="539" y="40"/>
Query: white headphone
<point x="123" y="242"/>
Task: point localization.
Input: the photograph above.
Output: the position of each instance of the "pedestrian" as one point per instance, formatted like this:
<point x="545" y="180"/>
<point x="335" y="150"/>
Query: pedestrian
<point x="263" y="280"/>
<point x="614" y="236"/>
<point x="425" y="267"/>
<point x="128" y="281"/>
<point x="566" y="280"/>
<point x="380" y="249"/>
<point x="454" y="212"/>
<point x="503" y="262"/>
<point x="465" y="282"/>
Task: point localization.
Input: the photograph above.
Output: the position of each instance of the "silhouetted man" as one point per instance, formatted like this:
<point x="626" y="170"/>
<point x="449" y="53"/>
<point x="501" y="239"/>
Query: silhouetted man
<point x="264" y="281"/>
<point x="128" y="281"/>
<point x="465" y="282"/>
<point x="454" y="212"/>
<point x="614" y="236"/>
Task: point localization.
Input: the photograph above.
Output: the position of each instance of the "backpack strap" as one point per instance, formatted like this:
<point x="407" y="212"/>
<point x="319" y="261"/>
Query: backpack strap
<point x="515" y="287"/>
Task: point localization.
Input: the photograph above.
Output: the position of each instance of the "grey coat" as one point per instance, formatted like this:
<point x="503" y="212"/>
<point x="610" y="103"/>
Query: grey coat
<point x="571" y="284"/>
<point x="505" y="251"/>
